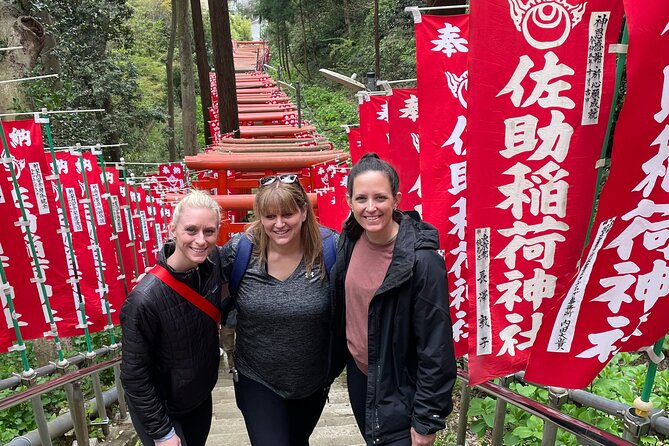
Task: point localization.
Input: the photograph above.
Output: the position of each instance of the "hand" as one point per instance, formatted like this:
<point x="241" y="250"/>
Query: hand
<point x="422" y="440"/>
<point x="174" y="441"/>
<point x="146" y="271"/>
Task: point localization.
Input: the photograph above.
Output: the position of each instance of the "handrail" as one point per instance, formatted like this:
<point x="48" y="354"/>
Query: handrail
<point x="581" y="429"/>
<point x="39" y="389"/>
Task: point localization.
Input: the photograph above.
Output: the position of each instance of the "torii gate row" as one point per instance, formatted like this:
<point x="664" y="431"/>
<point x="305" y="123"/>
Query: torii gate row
<point x="251" y="148"/>
<point x="249" y="167"/>
<point x="239" y="204"/>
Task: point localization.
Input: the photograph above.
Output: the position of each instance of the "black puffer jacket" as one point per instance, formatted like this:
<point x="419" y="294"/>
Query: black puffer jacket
<point x="412" y="367"/>
<point x="170" y="347"/>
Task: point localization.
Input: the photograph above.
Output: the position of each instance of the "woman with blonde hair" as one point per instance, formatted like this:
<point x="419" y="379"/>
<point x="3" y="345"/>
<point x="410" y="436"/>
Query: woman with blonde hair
<point x="283" y="315"/>
<point x="170" y="343"/>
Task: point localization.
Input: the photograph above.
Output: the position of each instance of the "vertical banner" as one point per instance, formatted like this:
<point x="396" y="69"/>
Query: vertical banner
<point x="39" y="199"/>
<point x="80" y="219"/>
<point x="405" y="146"/>
<point x="442" y="51"/>
<point x="544" y="84"/>
<point x="331" y="198"/>
<point x="354" y="143"/>
<point x="103" y="228"/>
<point x="117" y="192"/>
<point x="618" y="301"/>
<point x="16" y="264"/>
<point x="374" y="130"/>
<point x="172" y="176"/>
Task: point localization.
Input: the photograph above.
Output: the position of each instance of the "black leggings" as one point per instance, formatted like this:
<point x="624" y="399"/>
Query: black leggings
<point x="272" y="420"/>
<point x="356" y="382"/>
<point x="192" y="427"/>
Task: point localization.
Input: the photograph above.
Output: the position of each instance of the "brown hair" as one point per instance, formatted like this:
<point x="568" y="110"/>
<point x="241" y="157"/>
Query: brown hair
<point x="277" y="198"/>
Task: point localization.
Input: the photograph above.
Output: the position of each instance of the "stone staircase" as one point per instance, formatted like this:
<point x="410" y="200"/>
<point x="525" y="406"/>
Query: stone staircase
<point x="336" y="427"/>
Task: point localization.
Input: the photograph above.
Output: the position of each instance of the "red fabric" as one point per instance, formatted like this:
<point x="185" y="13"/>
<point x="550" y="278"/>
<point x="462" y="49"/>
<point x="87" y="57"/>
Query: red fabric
<point x="534" y="137"/>
<point x="443" y="150"/>
<point x="31" y="167"/>
<point x="354" y="143"/>
<point x="117" y="191"/>
<point x="332" y="205"/>
<point x="374" y="126"/>
<point x="17" y="269"/>
<point x="79" y="218"/>
<point x="618" y="301"/>
<point x="404" y="146"/>
<point x="116" y="292"/>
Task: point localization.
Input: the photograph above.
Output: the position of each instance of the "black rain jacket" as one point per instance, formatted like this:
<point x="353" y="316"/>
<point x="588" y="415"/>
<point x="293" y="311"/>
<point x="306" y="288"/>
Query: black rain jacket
<point x="170" y="347"/>
<point x="412" y="366"/>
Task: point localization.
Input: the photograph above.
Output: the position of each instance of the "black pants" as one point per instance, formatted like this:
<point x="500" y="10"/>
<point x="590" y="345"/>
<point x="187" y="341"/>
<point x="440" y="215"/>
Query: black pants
<point x="356" y="382"/>
<point x="192" y="427"/>
<point x="275" y="421"/>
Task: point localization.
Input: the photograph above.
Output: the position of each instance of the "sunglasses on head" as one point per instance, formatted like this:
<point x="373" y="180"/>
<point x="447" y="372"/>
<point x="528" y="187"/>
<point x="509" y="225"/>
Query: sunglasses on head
<point x="285" y="179"/>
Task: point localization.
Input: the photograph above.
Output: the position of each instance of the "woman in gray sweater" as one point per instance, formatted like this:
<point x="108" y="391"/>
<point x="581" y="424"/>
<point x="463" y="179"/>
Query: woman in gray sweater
<point x="283" y="316"/>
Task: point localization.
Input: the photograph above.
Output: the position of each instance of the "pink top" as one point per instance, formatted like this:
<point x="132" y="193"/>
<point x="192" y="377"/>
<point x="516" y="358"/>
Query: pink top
<point x="366" y="271"/>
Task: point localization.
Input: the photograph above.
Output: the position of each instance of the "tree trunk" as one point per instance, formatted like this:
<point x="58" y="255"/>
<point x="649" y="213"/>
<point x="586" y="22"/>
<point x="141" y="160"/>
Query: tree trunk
<point x="224" y="65"/>
<point x="169" y="68"/>
<point x="17" y="30"/>
<point x="304" y="41"/>
<point x="202" y="66"/>
<point x="187" y="81"/>
<point x="347" y="18"/>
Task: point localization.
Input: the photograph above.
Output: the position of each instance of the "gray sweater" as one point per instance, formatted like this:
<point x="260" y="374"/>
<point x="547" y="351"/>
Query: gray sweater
<point x="283" y="327"/>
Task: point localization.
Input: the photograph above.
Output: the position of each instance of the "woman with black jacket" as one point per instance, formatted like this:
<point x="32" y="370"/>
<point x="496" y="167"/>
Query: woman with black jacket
<point x="391" y="329"/>
<point x="170" y="346"/>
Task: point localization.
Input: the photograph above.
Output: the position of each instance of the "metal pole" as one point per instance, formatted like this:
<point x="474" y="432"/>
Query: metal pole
<point x="40" y="420"/>
<point x="99" y="399"/>
<point x="556" y="397"/>
<point x="75" y="399"/>
<point x="465" y="399"/>
<point x="298" y="94"/>
<point x="500" y="415"/>
<point x="377" y="54"/>
<point x="122" y="406"/>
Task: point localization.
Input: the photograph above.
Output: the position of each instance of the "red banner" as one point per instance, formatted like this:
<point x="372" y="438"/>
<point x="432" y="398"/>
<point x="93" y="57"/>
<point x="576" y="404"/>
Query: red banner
<point x="618" y="301"/>
<point x="172" y="176"/>
<point x="17" y="269"/>
<point x="354" y="143"/>
<point x="544" y="82"/>
<point x="374" y="128"/>
<point x="117" y="192"/>
<point x="78" y="213"/>
<point x="404" y="146"/>
<point x="332" y="205"/>
<point x="442" y="48"/>
<point x="31" y="167"/>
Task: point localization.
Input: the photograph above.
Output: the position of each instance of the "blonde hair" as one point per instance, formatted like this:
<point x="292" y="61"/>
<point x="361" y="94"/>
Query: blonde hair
<point x="196" y="199"/>
<point x="278" y="198"/>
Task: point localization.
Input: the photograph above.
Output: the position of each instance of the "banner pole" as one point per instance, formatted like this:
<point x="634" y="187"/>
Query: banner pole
<point x="66" y="230"/>
<point x="101" y="160"/>
<point x="20" y="346"/>
<point x="103" y="290"/>
<point x="138" y="212"/>
<point x="156" y="233"/>
<point x="38" y="268"/>
<point x="620" y="70"/>
<point x="128" y="213"/>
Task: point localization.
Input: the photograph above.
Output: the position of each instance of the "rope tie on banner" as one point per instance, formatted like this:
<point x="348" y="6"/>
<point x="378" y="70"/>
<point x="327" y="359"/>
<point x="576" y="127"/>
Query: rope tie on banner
<point x="93" y="247"/>
<point x="73" y="280"/>
<point x="17" y="348"/>
<point x="63" y="231"/>
<point x="6" y="160"/>
<point x="618" y="48"/>
<point x="21" y="222"/>
<point x="38" y="280"/>
<point x="601" y="163"/>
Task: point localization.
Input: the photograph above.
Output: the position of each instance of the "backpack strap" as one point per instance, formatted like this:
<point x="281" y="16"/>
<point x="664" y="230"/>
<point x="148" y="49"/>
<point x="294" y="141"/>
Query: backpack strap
<point x="239" y="265"/>
<point x="187" y="293"/>
<point x="329" y="249"/>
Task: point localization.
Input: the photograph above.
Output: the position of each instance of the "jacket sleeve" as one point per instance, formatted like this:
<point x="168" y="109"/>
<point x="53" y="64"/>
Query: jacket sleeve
<point x="140" y="330"/>
<point x="436" y="371"/>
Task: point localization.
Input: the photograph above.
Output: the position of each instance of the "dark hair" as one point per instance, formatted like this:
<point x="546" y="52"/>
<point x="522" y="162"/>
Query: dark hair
<point x="369" y="162"/>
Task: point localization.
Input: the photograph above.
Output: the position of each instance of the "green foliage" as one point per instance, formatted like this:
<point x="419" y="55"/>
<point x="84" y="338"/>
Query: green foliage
<point x="621" y="380"/>
<point x="240" y="27"/>
<point x="328" y="109"/>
